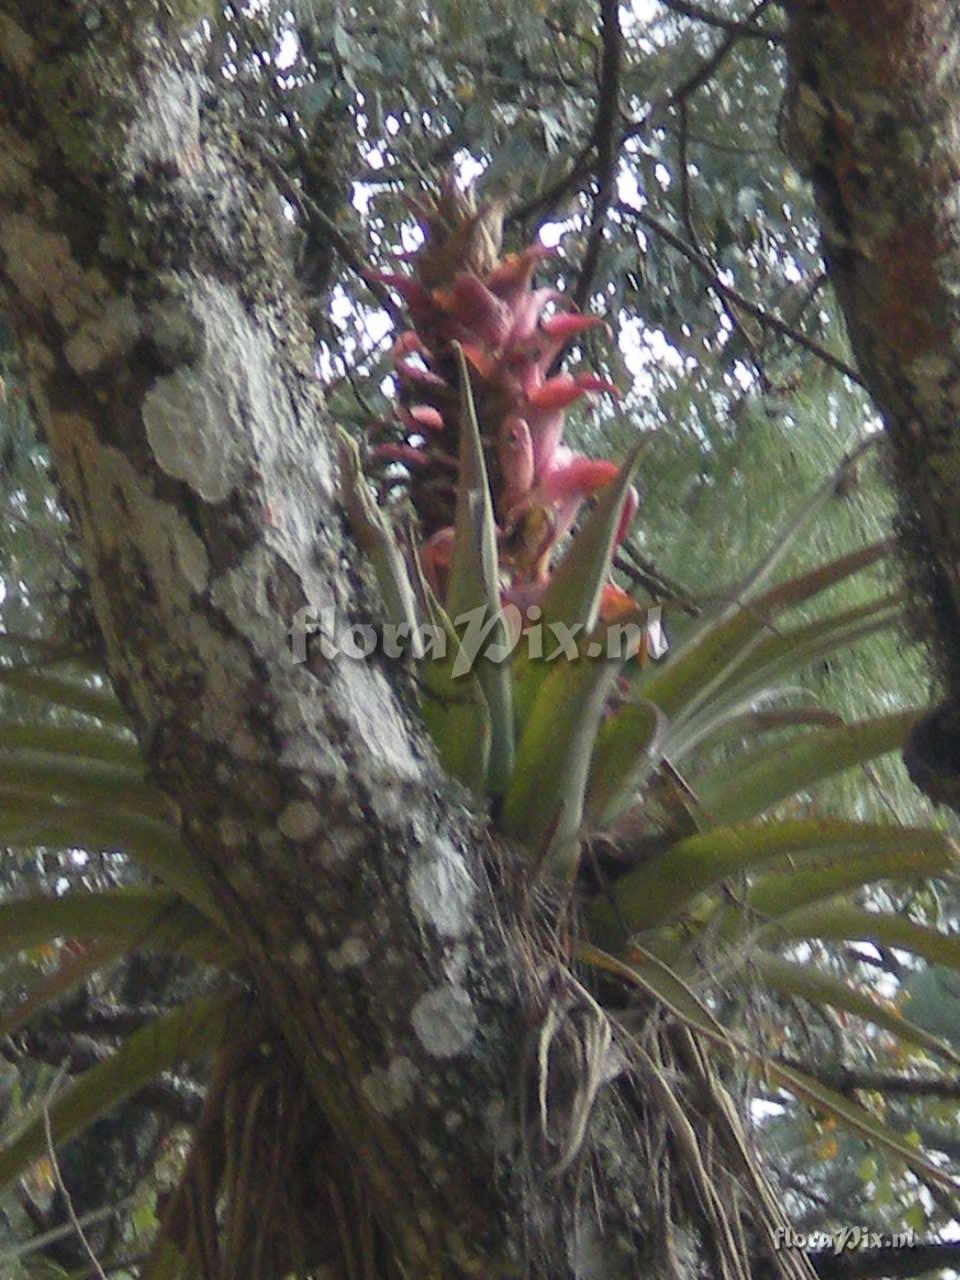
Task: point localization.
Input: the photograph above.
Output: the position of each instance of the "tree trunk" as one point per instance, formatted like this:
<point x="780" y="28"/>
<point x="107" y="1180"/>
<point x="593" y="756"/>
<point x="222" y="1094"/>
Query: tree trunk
<point x="872" y="114"/>
<point x="145" y="264"/>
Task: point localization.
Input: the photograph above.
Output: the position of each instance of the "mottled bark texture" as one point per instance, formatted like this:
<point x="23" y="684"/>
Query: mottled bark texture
<point x="873" y="116"/>
<point x="144" y="263"/>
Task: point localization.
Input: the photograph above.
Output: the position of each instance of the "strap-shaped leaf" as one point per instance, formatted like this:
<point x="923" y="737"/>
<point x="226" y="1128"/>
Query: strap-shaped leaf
<point x="543" y="804"/>
<point x="858" y="1119"/>
<point x="845" y="922"/>
<point x="192" y="1031"/>
<point x="151" y="919"/>
<point x="668" y="884"/>
<point x="374" y="536"/>
<point x="454" y="709"/>
<point x="766" y="664"/>
<point x="75" y="741"/>
<point x="62" y="691"/>
<point x="712" y="652"/>
<point x="806" y="883"/>
<point x="29" y="823"/>
<point x="49" y="775"/>
<point x="627" y="747"/>
<point x="763" y="778"/>
<point x="798" y="523"/>
<point x="474" y="588"/>
<point x="791" y="978"/>
<point x="174" y="935"/>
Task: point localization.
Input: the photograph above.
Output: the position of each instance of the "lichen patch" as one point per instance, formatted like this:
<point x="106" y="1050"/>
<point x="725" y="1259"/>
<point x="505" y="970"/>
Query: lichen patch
<point x="445" y="1021"/>
<point x="389" y="1090"/>
<point x="442" y="890"/>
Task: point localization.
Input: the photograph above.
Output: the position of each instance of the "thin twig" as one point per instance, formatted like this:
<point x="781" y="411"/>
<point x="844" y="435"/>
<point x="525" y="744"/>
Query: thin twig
<point x="847" y="1079"/>
<point x="62" y="1188"/>
<point x="765" y="317"/>
<point x="733" y="26"/>
<point x="709" y="67"/>
<point x="686" y="205"/>
<point x="606" y="142"/>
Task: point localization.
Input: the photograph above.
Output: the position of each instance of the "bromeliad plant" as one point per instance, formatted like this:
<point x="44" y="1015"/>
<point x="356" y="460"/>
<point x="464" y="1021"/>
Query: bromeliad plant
<point x="586" y="750"/>
<point x="477" y="447"/>
<point x="704" y="864"/>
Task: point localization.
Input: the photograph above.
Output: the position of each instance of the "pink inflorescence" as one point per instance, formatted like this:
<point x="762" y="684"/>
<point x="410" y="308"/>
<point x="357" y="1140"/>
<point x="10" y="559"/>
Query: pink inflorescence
<point x="512" y="334"/>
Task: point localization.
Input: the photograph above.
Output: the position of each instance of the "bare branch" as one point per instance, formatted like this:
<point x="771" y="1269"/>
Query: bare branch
<point x="606" y="143"/>
<point x="765" y="317"/>
<point x="734" y="26"/>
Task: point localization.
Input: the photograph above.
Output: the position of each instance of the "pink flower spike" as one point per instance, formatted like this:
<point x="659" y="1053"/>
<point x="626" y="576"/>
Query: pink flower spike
<point x="580" y="477"/>
<point x="629" y="511"/>
<point x="478" y="359"/>
<point x="479" y="309"/>
<point x="420" y="415"/>
<point x="527" y="310"/>
<point x="616" y="604"/>
<point x="435" y="556"/>
<point x="405" y="344"/>
<point x="590" y="382"/>
<point x="555" y="393"/>
<point x="513" y="274"/>
<point x="515" y="455"/>
<point x="413" y="294"/>
<point x="565" y="325"/>
<point x="416" y="374"/>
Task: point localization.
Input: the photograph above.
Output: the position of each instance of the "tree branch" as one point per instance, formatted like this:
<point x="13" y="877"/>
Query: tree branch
<point x="605" y="141"/>
<point x="734" y="26"/>
<point x="765" y="317"/>
<point x="883" y="155"/>
<point x="886" y="1263"/>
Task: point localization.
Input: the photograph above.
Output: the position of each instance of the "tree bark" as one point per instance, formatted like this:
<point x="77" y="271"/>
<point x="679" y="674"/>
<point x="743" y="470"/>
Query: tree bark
<point x="872" y="116"/>
<point x="145" y="265"/>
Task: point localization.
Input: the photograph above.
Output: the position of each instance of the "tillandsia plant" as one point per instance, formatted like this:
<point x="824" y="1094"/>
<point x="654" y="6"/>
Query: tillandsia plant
<point x="477" y="446"/>
<point x="583" y="751"/>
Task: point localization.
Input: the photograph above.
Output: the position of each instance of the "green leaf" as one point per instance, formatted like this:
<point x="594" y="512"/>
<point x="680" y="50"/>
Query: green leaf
<point x="698" y="671"/>
<point x="792" y="978"/>
<point x="543" y="804"/>
<point x="454" y="709"/>
<point x="151" y="919"/>
<point x="61" y="691"/>
<point x="660" y="890"/>
<point x="374" y="536"/>
<point x="845" y="922"/>
<point x="51" y="776"/>
<point x="474" y="589"/>
<point x="799" y="522"/>
<point x="885" y="853"/>
<point x="70" y="972"/>
<point x="660" y="982"/>
<point x="116" y="921"/>
<point x="72" y="740"/>
<point x="192" y="1031"/>
<point x="765" y="665"/>
<point x="30" y="823"/>
<point x="855" y="1117"/>
<point x="627" y="747"/>
<point x="757" y="782"/>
